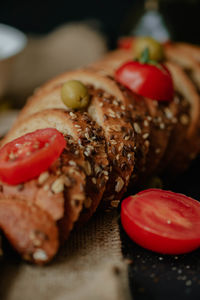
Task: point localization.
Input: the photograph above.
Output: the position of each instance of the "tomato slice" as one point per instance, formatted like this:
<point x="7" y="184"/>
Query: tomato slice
<point x="162" y="221"/>
<point x="125" y="42"/>
<point x="154" y="82"/>
<point x="28" y="156"/>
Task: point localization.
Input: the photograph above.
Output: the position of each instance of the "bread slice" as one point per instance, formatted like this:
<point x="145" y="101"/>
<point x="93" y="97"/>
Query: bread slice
<point x="30" y="230"/>
<point x="86" y="145"/>
<point x="188" y="119"/>
<point x="61" y="191"/>
<point x="192" y="50"/>
<point x="186" y="60"/>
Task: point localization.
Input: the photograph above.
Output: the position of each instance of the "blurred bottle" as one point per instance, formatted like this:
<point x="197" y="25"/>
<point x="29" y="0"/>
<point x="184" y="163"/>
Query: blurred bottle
<point x="164" y="20"/>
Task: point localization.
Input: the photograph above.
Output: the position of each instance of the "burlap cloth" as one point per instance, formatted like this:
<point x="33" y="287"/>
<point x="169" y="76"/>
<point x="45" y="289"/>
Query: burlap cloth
<point x="89" y="266"/>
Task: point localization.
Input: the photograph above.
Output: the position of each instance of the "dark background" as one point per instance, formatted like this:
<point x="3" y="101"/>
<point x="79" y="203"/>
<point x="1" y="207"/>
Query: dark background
<point x="151" y="276"/>
<point x="116" y="17"/>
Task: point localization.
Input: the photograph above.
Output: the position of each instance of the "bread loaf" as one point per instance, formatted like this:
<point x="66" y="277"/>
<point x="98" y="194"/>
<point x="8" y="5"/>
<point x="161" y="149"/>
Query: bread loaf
<point x="119" y="140"/>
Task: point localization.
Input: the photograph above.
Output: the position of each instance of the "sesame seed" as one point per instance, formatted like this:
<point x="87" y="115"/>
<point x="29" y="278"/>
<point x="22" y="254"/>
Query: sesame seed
<point x="94" y="180"/>
<point x="43" y="177"/>
<point x="145" y="135"/>
<point x="157" y="151"/>
<point x="127" y="138"/>
<point x="105" y="172"/>
<point x="87" y="136"/>
<point x="113" y="142"/>
<point x="119" y="185"/>
<point x="115" y="103"/>
<point x="162" y="126"/>
<point x="168" y="113"/>
<point x="129" y="155"/>
<point x="137" y="128"/>
<point x="184" y="119"/>
<point x="149" y="118"/>
<point x="72" y="163"/>
<point x="115" y="203"/>
<point x="76" y="152"/>
<point x="72" y="115"/>
<point x="97" y="169"/>
<point x="58" y="186"/>
<point x="112" y="115"/>
<point x="88" y="168"/>
<point x="40" y="254"/>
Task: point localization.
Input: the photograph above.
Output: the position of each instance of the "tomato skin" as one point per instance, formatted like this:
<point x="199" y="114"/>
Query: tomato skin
<point x="125" y="43"/>
<point x="30" y="161"/>
<point x="146" y="80"/>
<point x="150" y="229"/>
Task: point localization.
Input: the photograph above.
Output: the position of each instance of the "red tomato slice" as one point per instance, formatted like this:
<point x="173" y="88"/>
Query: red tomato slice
<point x="162" y="221"/>
<point x="28" y="156"/>
<point x="146" y="80"/>
<point x="125" y="43"/>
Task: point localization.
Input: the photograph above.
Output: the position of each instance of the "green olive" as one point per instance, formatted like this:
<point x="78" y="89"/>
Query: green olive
<point x="74" y="94"/>
<point x="156" y="51"/>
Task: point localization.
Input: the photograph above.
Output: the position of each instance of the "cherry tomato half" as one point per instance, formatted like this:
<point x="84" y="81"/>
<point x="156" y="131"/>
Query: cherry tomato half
<point x="146" y="80"/>
<point x="162" y="221"/>
<point x="125" y="42"/>
<point x="28" y="156"/>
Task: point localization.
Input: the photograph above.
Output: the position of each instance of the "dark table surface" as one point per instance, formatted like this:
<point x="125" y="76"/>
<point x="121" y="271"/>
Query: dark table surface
<point x="162" y="277"/>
